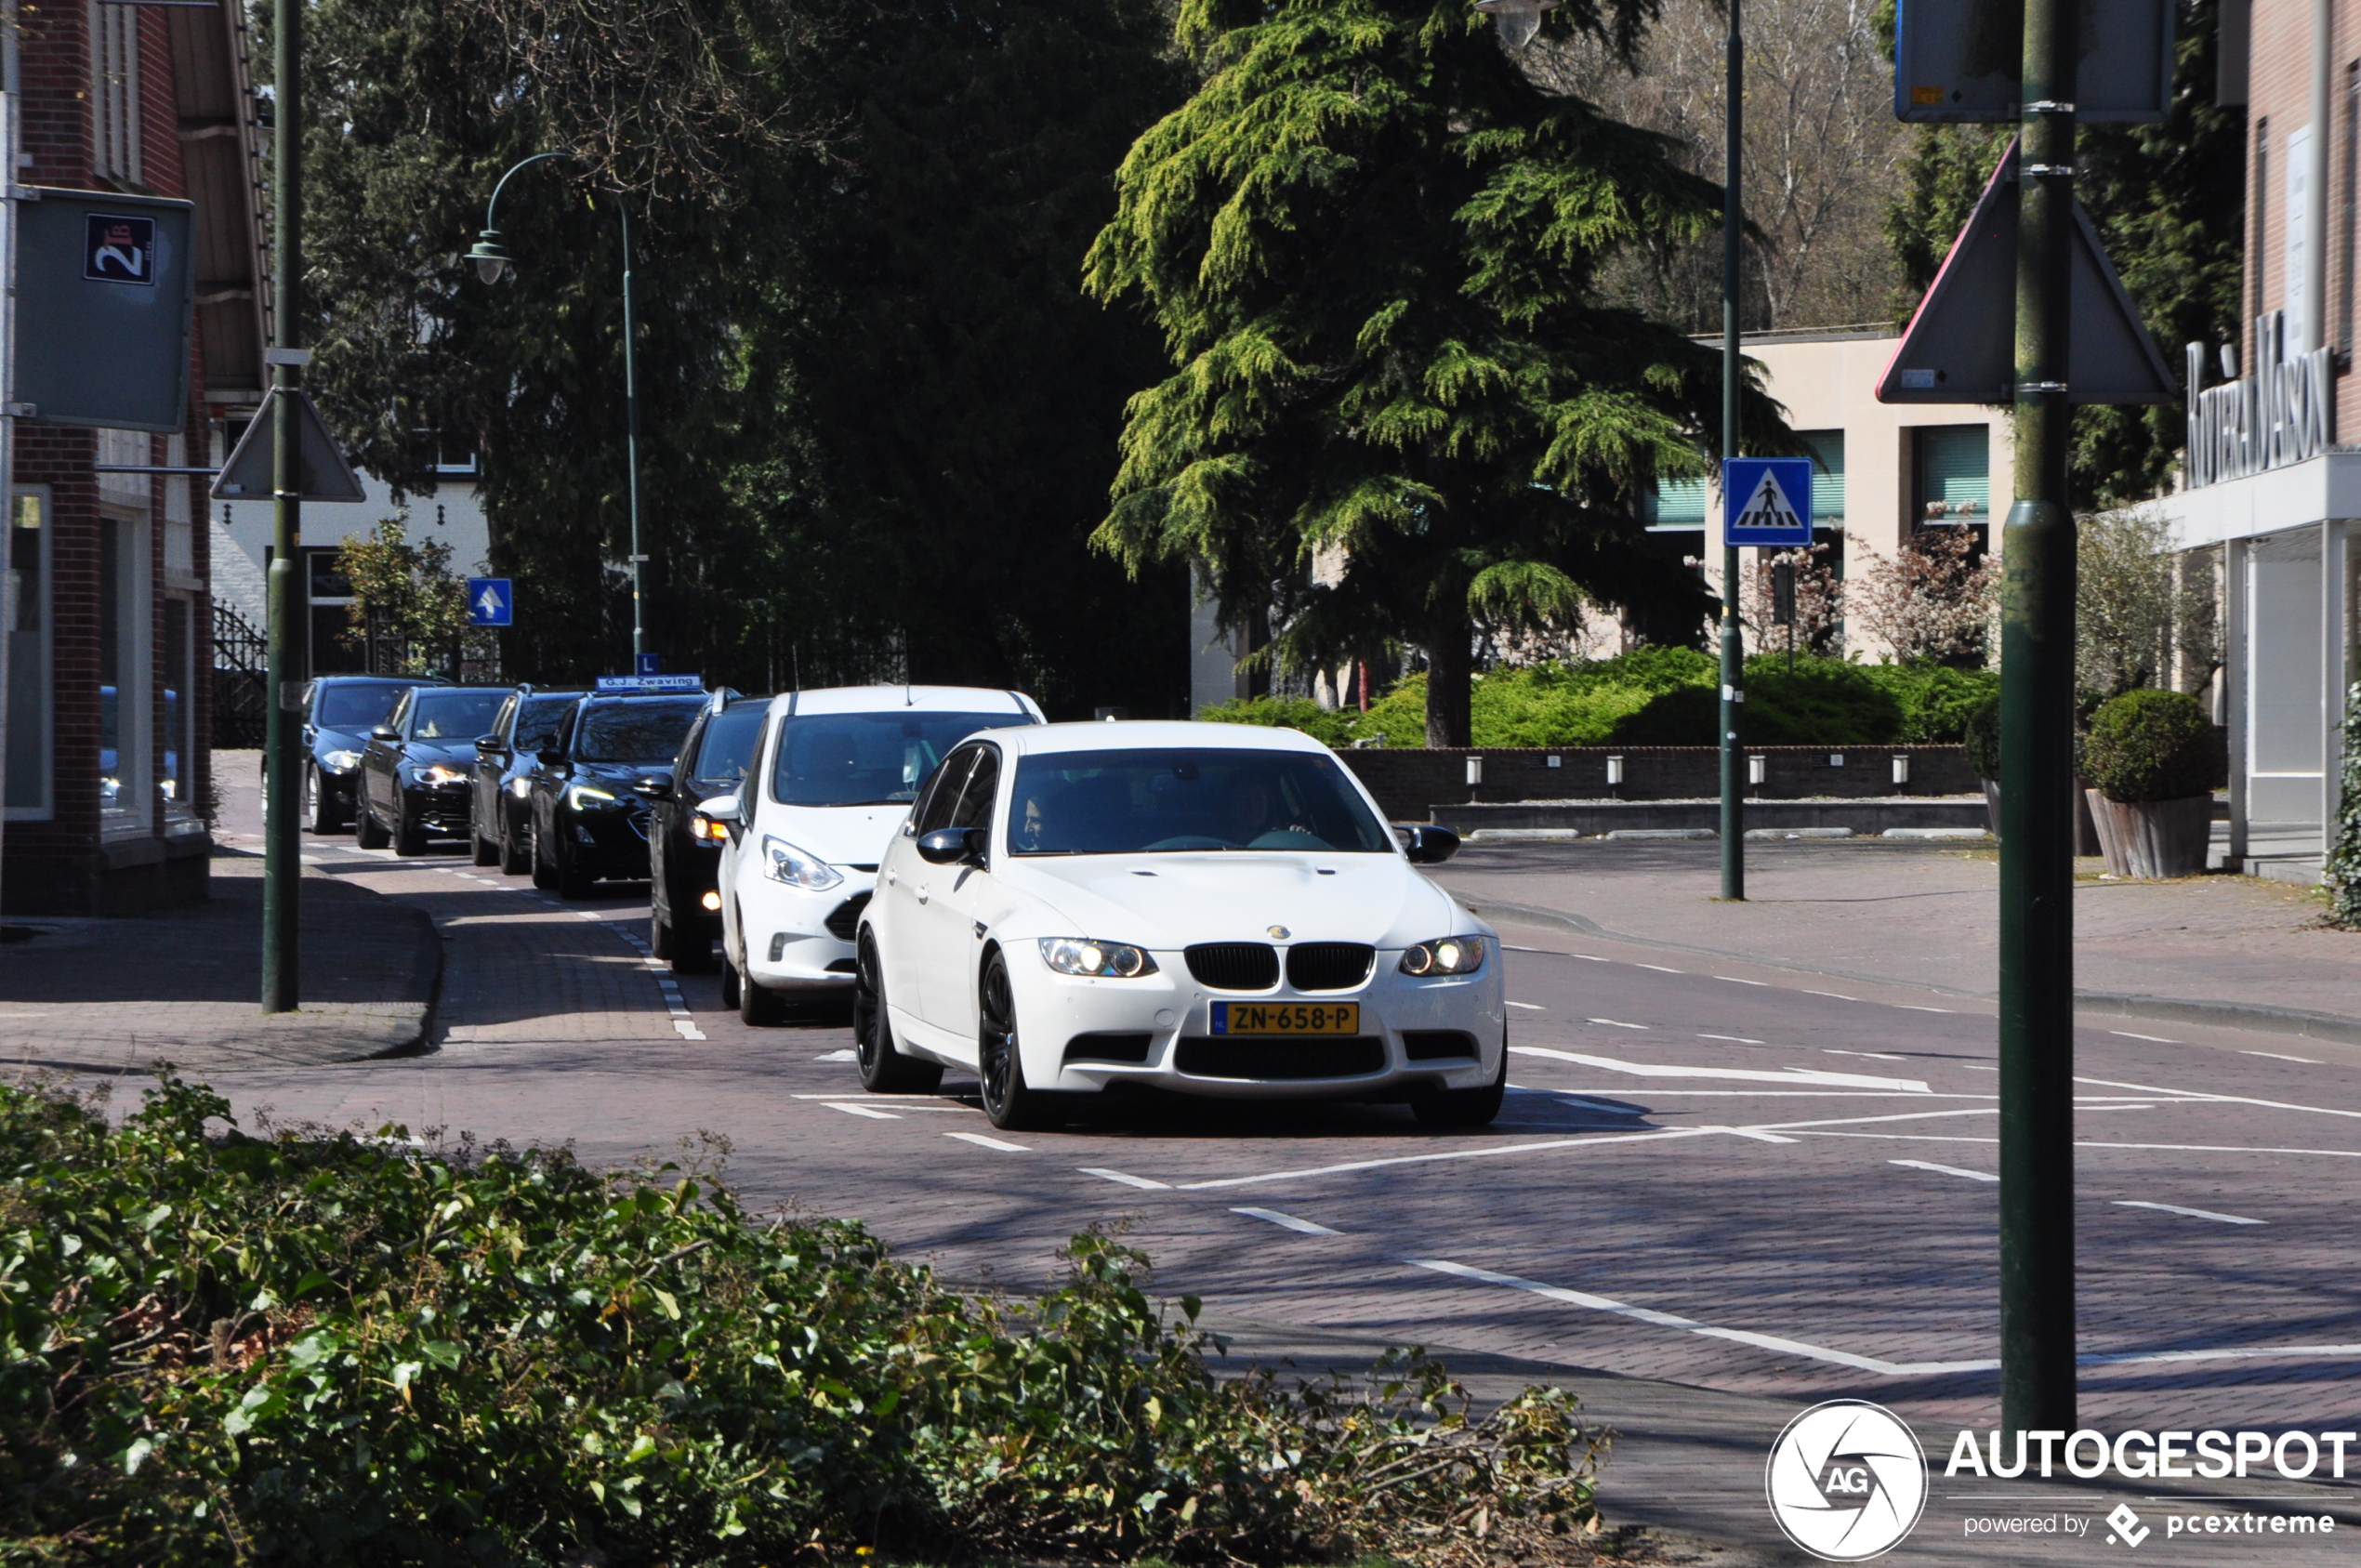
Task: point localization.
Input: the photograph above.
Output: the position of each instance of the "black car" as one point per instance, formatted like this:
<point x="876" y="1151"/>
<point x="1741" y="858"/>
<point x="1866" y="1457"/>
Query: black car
<point x="684" y="907"/>
<point x="415" y="773"/>
<point x="594" y="789"/>
<point x="501" y="829"/>
<point x="338" y="713"/>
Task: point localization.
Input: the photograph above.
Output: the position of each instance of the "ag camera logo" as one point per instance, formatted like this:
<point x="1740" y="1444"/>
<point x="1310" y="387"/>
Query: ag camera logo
<point x="1846" y="1481"/>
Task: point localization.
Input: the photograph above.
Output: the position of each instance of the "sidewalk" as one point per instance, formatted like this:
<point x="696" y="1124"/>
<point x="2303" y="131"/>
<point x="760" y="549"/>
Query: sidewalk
<point x="2237" y="952"/>
<point x="117" y="996"/>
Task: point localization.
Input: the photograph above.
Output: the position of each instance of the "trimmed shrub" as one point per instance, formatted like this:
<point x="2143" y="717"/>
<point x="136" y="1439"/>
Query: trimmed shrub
<point x="1328" y="726"/>
<point x="2342" y="875"/>
<point x="2151" y="745"/>
<point x="1936" y="700"/>
<point x="1824" y="702"/>
<point x="1984" y="738"/>
<point x="345" y="1350"/>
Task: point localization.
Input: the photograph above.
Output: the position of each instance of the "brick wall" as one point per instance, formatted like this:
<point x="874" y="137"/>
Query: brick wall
<point x="1408" y="783"/>
<point x="2279" y="101"/>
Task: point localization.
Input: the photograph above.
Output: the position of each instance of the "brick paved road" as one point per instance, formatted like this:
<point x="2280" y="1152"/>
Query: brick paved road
<point x="1640" y="1210"/>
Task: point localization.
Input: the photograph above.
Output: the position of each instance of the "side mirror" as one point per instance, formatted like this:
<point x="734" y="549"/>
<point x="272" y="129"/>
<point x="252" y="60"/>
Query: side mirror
<point x="385" y="732"/>
<point x="1426" y="844"/>
<point x="950" y="846"/>
<point x="654" y="789"/>
<point x="720" y="808"/>
<point x="490" y="742"/>
<point x="549" y="759"/>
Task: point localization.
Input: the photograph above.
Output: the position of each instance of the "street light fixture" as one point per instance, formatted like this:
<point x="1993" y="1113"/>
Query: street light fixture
<point x="493" y="263"/>
<point x="1518" y="19"/>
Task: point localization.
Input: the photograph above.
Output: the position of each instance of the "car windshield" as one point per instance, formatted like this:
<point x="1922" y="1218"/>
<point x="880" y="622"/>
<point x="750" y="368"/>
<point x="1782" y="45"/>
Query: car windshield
<point x="869" y="758"/>
<point x="641" y="730"/>
<point x="454" y="716"/>
<point x="1146" y="801"/>
<point x="727" y="749"/>
<point x="362" y="707"/>
<point x="537" y="724"/>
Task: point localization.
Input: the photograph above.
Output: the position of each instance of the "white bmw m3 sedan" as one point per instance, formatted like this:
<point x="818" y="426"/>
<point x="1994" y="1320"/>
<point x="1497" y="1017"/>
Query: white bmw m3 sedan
<point x="1212" y="909"/>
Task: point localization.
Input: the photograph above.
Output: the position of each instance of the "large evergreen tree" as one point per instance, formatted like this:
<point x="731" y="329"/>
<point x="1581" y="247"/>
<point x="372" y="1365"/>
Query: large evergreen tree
<point x="2169" y="201"/>
<point x="1371" y="242"/>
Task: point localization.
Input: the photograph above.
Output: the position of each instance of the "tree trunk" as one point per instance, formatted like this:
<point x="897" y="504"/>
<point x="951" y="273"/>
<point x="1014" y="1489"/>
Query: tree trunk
<point x="1447" y="676"/>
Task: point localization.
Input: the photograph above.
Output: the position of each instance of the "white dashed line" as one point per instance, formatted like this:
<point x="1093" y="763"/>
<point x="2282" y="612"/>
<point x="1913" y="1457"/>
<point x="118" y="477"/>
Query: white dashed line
<point x="846" y="1055"/>
<point x="1126" y="1178"/>
<point x="2160" y="1040"/>
<point x="863" y="1111"/>
<point x="2191" y="1213"/>
<point x="1734" y="1039"/>
<point x="1739" y="1074"/>
<point x="1838" y="994"/>
<point x="1914" y="1008"/>
<point x="1288" y="1221"/>
<point x="981" y="1142"/>
<point x="1736" y="980"/>
<point x="1530" y="1007"/>
<point x="1659" y="969"/>
<point x="1749" y="1133"/>
<point x="1617" y="1023"/>
<point x="1879" y="1055"/>
<point x="2308" y="1062"/>
<point x="1945" y="1170"/>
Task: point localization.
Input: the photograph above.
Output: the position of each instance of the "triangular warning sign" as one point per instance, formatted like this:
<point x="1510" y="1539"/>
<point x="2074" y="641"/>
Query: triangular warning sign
<point x="324" y="475"/>
<point x="1961" y="345"/>
<point x="1768" y="507"/>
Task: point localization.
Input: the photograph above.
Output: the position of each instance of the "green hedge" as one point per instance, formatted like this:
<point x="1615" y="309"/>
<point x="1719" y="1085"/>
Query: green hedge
<point x="2150" y="746"/>
<point x="2342" y="877"/>
<point x="1666" y="697"/>
<point x="345" y="1350"/>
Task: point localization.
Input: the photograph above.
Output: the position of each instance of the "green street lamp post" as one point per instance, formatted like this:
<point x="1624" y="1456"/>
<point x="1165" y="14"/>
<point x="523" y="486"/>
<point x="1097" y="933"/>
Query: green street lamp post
<point x="493" y="263"/>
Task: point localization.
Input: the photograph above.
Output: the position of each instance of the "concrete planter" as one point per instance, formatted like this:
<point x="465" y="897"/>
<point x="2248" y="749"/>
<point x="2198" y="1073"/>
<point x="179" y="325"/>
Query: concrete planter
<point x="2154" y="839"/>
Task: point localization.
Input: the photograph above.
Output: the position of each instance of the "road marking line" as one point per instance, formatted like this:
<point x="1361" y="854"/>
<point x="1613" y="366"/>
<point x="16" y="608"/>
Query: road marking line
<point x="1734" y="1039"/>
<point x="1744" y="1074"/>
<point x="1879" y="1055"/>
<point x="2160" y="1040"/>
<point x="981" y="1142"/>
<point x="1602" y="1105"/>
<point x="1913" y="1006"/>
<point x="1491" y="1152"/>
<point x="863" y="1111"/>
<point x="1589" y="957"/>
<point x="1978" y="1067"/>
<point x="2191" y="1213"/>
<point x="688" y="1031"/>
<point x="1143" y="1182"/>
<point x="845" y="1055"/>
<point x="2307" y="1061"/>
<point x="2202" y="1095"/>
<point x="1617" y="1023"/>
<point x="1659" y="969"/>
<point x="1945" y="1170"/>
<point x="1288" y="1221"/>
<point x="1838" y="994"/>
<point x="1749" y="1132"/>
<point x="2096" y="1143"/>
<point x="1736" y="980"/>
<point x="1530" y="1007"/>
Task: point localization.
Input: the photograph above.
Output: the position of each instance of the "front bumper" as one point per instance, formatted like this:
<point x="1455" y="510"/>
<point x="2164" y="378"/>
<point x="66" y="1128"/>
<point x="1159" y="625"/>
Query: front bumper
<point x="446" y="809"/>
<point x="337" y="789"/>
<point x="797" y="939"/>
<point x="1414" y="1035"/>
<point x="613" y="842"/>
<point x="691" y="870"/>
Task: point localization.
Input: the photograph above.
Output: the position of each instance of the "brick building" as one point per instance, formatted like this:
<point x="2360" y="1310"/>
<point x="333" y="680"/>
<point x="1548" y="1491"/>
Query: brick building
<point x="108" y="754"/>
<point x="2265" y="478"/>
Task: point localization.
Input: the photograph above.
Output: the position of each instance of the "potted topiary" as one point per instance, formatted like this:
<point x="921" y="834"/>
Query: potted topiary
<point x="1983" y="739"/>
<point x="2152" y="765"/>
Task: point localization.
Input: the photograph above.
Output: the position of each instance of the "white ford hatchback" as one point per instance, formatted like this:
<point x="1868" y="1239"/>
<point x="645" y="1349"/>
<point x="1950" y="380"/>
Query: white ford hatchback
<point x="834" y="775"/>
<point x="1208" y="908"/>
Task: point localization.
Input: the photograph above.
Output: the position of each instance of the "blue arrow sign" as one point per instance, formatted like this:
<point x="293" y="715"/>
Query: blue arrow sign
<point x="490" y="603"/>
<point x="1766" y="500"/>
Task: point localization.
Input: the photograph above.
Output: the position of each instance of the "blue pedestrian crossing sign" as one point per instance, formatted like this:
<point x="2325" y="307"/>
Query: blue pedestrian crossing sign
<point x="1766" y="500"/>
<point x="491" y="602"/>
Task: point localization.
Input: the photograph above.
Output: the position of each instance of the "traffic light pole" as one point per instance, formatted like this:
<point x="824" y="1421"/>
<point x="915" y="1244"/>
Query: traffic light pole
<point x="283" y="778"/>
<point x="2037" y="766"/>
<point x="1734" y="836"/>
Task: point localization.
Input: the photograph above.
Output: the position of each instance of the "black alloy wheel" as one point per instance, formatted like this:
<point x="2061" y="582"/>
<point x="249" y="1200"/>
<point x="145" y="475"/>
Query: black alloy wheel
<point x="545" y="873"/>
<point x="516" y="843"/>
<point x="661" y="939"/>
<point x="482" y="850"/>
<point x="1465" y="1109"/>
<point x="999" y="1063"/>
<point x="884" y="1070"/>
<point x="365" y="831"/>
<point x="730" y="983"/>
<point x="409" y="837"/>
<point x="319" y="812"/>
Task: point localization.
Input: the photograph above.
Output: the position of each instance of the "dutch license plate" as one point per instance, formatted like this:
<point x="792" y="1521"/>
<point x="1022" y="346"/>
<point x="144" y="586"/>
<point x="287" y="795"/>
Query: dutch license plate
<point x="1286" y="1018"/>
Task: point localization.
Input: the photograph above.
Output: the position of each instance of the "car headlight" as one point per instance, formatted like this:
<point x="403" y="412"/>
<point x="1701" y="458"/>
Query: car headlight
<point x="1081" y="955"/>
<point x="439" y="775"/>
<point x="702" y="828"/>
<point x="781" y="861"/>
<point x="588" y="797"/>
<point x="339" y="761"/>
<point x="520" y="786"/>
<point x="1444" y="955"/>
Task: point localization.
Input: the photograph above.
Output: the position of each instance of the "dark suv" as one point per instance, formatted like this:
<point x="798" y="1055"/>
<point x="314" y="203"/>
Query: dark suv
<point x="413" y="775"/>
<point x="594" y="789"/>
<point x="685" y="852"/>
<point x="501" y="824"/>
<point x="338" y="713"/>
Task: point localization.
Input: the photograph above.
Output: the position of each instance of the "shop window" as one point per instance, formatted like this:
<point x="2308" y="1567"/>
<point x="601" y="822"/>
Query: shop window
<point x="180" y="707"/>
<point x="1954" y="473"/>
<point x="124" y="683"/>
<point x="25" y="613"/>
<point x="115" y="91"/>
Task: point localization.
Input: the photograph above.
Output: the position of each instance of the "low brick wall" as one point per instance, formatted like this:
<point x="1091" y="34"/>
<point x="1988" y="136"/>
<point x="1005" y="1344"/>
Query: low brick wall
<point x="1409" y="784"/>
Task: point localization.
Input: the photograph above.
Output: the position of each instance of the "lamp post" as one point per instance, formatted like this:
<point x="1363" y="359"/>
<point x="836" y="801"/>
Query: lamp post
<point x="493" y="263"/>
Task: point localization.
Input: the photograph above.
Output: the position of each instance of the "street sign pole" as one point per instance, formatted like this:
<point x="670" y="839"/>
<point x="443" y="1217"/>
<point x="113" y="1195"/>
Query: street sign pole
<point x="2037" y="765"/>
<point x="283" y="853"/>
<point x="1734" y="853"/>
